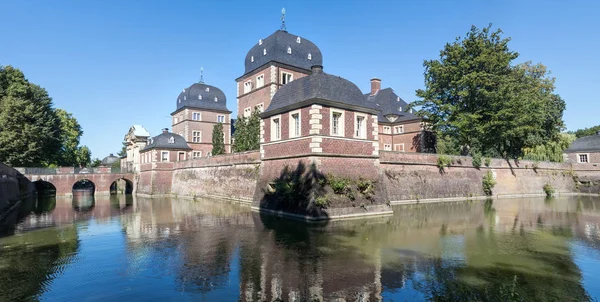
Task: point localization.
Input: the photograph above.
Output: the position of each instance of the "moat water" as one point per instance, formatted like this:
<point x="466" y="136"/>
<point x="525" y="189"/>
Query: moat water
<point x="121" y="248"/>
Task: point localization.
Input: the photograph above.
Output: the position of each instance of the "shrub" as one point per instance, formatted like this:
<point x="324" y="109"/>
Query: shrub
<point x="339" y="185"/>
<point x="488" y="161"/>
<point x="476" y="160"/>
<point x="548" y="189"/>
<point x="365" y="187"/>
<point x="321" y="201"/>
<point x="443" y="161"/>
<point x="488" y="183"/>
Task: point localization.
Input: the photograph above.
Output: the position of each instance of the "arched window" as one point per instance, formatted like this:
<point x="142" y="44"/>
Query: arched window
<point x="216" y="99"/>
<point x="199" y="96"/>
<point x="264" y="52"/>
<point x="179" y="101"/>
<point x="298" y="40"/>
<point x="184" y="97"/>
<point x="252" y="59"/>
<point x="207" y="89"/>
<point x="259" y="41"/>
<point x="289" y="50"/>
<point x="309" y="56"/>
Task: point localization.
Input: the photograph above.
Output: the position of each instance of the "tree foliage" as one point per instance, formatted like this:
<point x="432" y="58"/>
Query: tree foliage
<point x="550" y="151"/>
<point x="218" y="141"/>
<point x="586" y="131"/>
<point x="123" y="151"/>
<point x="475" y="99"/>
<point x="247" y="133"/>
<point x="32" y="132"/>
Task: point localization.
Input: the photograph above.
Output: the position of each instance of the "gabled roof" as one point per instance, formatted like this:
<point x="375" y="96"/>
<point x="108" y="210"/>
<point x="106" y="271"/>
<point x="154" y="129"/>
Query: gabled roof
<point x="585" y="144"/>
<point x="163" y="141"/>
<point x="389" y="103"/>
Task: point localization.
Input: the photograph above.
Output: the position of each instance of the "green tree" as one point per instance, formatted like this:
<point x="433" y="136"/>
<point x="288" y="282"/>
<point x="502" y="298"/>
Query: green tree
<point x="30" y="128"/>
<point x="70" y="134"/>
<point x="218" y="141"/>
<point x="247" y="133"/>
<point x="123" y="151"/>
<point x="83" y="156"/>
<point x="95" y="163"/>
<point x="550" y="151"/>
<point x="477" y="101"/>
<point x="586" y="131"/>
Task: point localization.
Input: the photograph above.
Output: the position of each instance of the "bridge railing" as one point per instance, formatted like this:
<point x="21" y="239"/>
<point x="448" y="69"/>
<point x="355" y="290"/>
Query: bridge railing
<point x="74" y="170"/>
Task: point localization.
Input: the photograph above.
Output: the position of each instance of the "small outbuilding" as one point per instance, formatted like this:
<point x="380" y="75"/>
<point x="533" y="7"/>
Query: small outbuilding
<point x="165" y="147"/>
<point x="109" y="161"/>
<point x="585" y="150"/>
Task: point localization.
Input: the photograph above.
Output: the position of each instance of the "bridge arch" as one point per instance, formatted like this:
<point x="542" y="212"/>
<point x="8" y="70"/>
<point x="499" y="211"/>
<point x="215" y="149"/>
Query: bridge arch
<point x="83" y="195"/>
<point x="44" y="188"/>
<point x="121" y="185"/>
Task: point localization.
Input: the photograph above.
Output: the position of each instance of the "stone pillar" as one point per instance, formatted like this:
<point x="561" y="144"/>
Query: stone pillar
<point x="316" y="127"/>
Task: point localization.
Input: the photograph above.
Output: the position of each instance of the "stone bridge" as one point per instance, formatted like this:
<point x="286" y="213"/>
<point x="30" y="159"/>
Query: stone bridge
<point x="63" y="179"/>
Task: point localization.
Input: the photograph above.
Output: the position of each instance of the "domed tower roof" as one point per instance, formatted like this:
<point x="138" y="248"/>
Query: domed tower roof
<point x="167" y="140"/>
<point x="109" y="160"/>
<point x="202" y="96"/>
<point x="319" y="87"/>
<point x="285" y="48"/>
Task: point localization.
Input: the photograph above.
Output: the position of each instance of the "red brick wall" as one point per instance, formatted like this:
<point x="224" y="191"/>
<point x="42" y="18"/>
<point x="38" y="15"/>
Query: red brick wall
<point x="289" y="148"/>
<point x="305" y="119"/>
<point x="359" y="167"/>
<point x="341" y="146"/>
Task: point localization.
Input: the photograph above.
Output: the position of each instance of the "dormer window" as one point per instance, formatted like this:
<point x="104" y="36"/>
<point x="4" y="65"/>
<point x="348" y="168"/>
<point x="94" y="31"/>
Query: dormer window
<point x="183" y="89"/>
<point x="298" y="40"/>
<point x="259" y="41"/>
<point x="289" y="51"/>
<point x="400" y="109"/>
<point x="216" y="99"/>
<point x="171" y="140"/>
<point x="264" y="52"/>
<point x="207" y="89"/>
<point x="184" y="97"/>
<point x="252" y="59"/>
<point x="179" y="101"/>
<point x="199" y="96"/>
<point x="398" y="100"/>
<point x="309" y="56"/>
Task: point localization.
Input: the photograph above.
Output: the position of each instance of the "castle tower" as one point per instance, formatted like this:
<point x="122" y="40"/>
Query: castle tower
<point x="199" y="108"/>
<point x="271" y="63"/>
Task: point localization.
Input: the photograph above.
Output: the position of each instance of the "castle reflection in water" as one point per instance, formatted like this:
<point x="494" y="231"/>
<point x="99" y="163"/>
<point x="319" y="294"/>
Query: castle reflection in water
<point x="464" y="250"/>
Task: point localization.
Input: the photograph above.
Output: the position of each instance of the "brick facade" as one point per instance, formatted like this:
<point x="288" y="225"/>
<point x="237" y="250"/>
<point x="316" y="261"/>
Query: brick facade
<point x="593" y="157"/>
<point x="185" y="125"/>
<point x="409" y="139"/>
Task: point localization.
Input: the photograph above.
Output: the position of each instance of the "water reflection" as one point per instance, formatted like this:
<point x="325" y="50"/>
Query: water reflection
<point x="521" y="249"/>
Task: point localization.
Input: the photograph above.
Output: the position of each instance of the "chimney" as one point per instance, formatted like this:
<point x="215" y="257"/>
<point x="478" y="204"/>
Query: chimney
<point x="165" y="130"/>
<point x="111" y="155"/>
<point x="375" y="85"/>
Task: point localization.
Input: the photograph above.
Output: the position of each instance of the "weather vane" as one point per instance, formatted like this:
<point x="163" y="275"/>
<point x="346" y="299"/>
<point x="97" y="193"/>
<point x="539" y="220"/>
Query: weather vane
<point x="283" y="19"/>
<point x="201" y="75"/>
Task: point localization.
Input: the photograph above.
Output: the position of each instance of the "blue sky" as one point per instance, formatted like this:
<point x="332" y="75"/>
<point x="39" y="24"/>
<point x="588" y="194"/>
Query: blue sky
<point x="114" y="63"/>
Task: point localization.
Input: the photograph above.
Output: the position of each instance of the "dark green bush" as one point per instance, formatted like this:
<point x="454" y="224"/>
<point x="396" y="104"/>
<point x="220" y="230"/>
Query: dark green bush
<point x="549" y="190"/>
<point x="488" y="183"/>
<point x="476" y="160"/>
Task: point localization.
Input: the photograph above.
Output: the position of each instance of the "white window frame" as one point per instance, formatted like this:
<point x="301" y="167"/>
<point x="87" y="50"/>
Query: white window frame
<point x="341" y="126"/>
<point x="276" y="128"/>
<point x="387" y="147"/>
<point x="196" y="116"/>
<point x="309" y="56"/>
<point x="252" y="59"/>
<point x="162" y="156"/>
<point x="289" y="50"/>
<point x="587" y="157"/>
<point x="292" y="124"/>
<point x="360" y="132"/>
<point x="399" y="147"/>
<point x="286" y="77"/>
<point x="260" y="81"/>
<point x="387" y="130"/>
<point x="171" y="140"/>
<point x="197" y="154"/>
<point x="198" y="137"/>
<point x="179" y="153"/>
<point x="220" y="117"/>
<point x="260" y="107"/>
<point x="176" y="120"/>
<point x="247" y="86"/>
<point x="247" y="111"/>
<point x="399" y="129"/>
<point x="298" y="40"/>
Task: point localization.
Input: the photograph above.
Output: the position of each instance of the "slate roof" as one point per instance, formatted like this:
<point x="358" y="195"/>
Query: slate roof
<point x="190" y="97"/>
<point x="319" y="86"/>
<point x="586" y="143"/>
<point x="161" y="141"/>
<point x="109" y="160"/>
<point x="276" y="46"/>
<point x="388" y="102"/>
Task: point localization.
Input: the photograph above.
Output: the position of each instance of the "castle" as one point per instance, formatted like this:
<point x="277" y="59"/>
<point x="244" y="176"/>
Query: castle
<point x="300" y="105"/>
